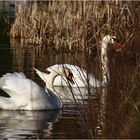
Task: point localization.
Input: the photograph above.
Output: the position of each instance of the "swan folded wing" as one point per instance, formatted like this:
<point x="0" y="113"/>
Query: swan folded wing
<point x="80" y="76"/>
<point x="16" y="85"/>
<point x="16" y="100"/>
<point x="14" y="75"/>
<point x="15" y="88"/>
<point x="11" y="79"/>
<point x="20" y="75"/>
<point x="51" y="68"/>
<point x="10" y="92"/>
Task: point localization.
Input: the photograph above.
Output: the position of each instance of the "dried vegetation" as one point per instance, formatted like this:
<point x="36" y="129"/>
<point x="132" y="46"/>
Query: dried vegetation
<point x="72" y="24"/>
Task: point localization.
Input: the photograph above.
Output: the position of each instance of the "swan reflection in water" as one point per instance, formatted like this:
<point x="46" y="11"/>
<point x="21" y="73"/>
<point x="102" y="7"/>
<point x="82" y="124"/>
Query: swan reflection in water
<point x="27" y="124"/>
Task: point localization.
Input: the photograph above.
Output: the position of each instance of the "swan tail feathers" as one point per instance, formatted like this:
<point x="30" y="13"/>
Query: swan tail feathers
<point x="9" y="77"/>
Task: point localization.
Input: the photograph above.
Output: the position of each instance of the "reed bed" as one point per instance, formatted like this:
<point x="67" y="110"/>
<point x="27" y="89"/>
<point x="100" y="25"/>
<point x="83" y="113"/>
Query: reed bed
<point x="72" y="25"/>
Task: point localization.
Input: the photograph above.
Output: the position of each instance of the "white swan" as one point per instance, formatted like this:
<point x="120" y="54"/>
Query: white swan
<point x="80" y="76"/>
<point x="27" y="95"/>
<point x="108" y="39"/>
<point x="69" y="91"/>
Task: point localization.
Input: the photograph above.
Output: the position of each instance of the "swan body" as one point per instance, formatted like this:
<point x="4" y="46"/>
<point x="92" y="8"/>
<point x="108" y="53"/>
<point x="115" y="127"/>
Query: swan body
<point x="26" y="94"/>
<point x="79" y="75"/>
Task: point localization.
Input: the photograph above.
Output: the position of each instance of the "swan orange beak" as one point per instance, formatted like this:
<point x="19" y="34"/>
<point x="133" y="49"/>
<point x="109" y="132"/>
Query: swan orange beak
<point x="70" y="78"/>
<point x="118" y="45"/>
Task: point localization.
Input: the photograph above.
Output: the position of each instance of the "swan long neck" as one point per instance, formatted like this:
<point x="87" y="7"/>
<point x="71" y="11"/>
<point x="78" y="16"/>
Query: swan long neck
<point x="104" y="60"/>
<point x="51" y="77"/>
<point x="49" y="86"/>
<point x="105" y="75"/>
<point x="48" y="79"/>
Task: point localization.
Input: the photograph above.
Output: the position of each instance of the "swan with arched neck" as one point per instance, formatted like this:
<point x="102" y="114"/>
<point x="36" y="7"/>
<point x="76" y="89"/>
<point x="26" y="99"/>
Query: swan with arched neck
<point x="25" y="94"/>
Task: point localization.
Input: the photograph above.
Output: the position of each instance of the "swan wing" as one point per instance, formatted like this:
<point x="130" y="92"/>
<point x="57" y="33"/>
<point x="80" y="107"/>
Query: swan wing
<point x="77" y="71"/>
<point x="25" y="94"/>
<point x="79" y="74"/>
<point x="11" y="83"/>
<point x="17" y="85"/>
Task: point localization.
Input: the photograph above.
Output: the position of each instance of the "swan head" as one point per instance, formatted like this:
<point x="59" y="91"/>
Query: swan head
<point x="70" y="77"/>
<point x="67" y="73"/>
<point x="110" y="39"/>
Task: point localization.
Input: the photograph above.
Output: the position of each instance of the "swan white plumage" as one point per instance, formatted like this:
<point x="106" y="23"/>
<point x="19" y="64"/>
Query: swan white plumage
<point x="108" y="39"/>
<point x="80" y="77"/>
<point x="25" y="94"/>
<point x="69" y="91"/>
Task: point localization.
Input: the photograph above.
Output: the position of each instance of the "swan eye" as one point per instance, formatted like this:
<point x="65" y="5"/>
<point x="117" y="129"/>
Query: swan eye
<point x="70" y="77"/>
<point x="116" y="40"/>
